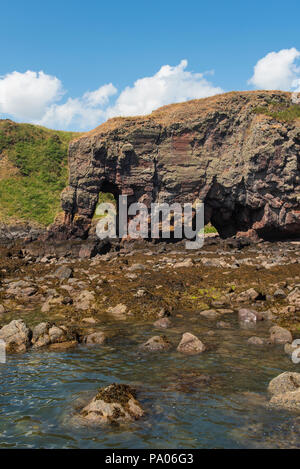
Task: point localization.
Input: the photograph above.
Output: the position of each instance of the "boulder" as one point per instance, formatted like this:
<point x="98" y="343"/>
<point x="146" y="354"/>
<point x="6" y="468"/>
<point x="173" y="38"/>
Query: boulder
<point x="248" y="315"/>
<point x="190" y="344"/>
<point x="280" y="335"/>
<point x="135" y="267"/>
<point x="256" y="341"/>
<point x="279" y="294"/>
<point x="288" y="401"/>
<point x="162" y="323"/>
<point x="223" y="325"/>
<point x="119" y="311"/>
<point x="115" y="403"/>
<point x="294" y="298"/>
<point x="209" y="314"/>
<point x="156" y="343"/>
<point x="63" y="273"/>
<point x="85" y="300"/>
<point x="96" y="338"/>
<point x="248" y="296"/>
<point x="285" y="382"/>
<point x="16" y="336"/>
<point x="187" y="263"/>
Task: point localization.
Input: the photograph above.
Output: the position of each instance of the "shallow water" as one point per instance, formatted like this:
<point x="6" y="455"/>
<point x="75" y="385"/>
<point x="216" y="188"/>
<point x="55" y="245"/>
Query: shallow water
<point x="41" y="391"/>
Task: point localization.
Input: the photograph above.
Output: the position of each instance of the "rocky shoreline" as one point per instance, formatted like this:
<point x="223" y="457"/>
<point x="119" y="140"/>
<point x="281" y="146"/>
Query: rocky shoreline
<point x="58" y="302"/>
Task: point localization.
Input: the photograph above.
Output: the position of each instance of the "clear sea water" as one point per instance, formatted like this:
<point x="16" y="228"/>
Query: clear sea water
<point x="41" y="392"/>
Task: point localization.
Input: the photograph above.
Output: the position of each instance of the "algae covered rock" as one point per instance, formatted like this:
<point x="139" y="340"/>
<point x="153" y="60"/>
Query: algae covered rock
<point x="115" y="403"/>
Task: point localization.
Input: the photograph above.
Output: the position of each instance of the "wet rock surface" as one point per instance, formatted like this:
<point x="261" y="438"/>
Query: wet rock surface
<point x="113" y="404"/>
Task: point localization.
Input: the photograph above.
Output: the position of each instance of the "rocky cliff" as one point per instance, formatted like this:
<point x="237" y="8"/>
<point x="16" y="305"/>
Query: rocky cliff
<point x="238" y="152"/>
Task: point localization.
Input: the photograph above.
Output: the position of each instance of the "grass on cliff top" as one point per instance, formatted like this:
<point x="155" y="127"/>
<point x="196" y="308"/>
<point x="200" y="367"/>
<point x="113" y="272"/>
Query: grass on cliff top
<point x="280" y="111"/>
<point x="33" y="171"/>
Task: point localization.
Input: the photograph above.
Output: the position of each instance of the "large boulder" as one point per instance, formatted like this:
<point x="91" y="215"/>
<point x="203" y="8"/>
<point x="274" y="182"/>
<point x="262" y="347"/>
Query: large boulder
<point x="16" y="336"/>
<point x="190" y="344"/>
<point x="115" y="403"/>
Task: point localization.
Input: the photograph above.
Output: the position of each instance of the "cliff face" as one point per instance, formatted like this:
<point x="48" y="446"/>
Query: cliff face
<point x="244" y="164"/>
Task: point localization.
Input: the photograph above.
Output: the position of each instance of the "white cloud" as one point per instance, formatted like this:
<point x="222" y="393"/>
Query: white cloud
<point x="81" y="113"/>
<point x="168" y="85"/>
<point x="37" y="97"/>
<point x="26" y="96"/>
<point x="278" y="71"/>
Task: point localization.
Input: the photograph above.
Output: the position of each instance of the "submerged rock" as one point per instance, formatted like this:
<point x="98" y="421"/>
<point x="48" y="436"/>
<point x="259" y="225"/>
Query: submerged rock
<point x="162" y="323"/>
<point x="280" y="335"/>
<point x="249" y="315"/>
<point x="96" y="338"/>
<point x="16" y="336"/>
<point x="209" y="314"/>
<point x="256" y="341"/>
<point x="190" y="344"/>
<point x="115" y="403"/>
<point x="156" y="343"/>
<point x="119" y="311"/>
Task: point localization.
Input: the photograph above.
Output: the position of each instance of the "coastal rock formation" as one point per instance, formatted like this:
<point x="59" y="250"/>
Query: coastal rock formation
<point x="228" y="151"/>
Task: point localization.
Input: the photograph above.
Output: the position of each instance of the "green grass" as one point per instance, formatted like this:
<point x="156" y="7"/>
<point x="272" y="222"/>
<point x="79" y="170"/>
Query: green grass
<point x="280" y="112"/>
<point x="210" y="229"/>
<point x="40" y="156"/>
<point x="104" y="197"/>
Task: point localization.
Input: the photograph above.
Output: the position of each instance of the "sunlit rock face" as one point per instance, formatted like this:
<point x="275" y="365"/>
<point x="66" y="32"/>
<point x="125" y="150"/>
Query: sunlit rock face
<point x="243" y="164"/>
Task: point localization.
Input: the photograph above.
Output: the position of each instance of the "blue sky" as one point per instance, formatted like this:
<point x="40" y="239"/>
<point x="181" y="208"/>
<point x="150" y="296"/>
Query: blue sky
<point x="88" y="44"/>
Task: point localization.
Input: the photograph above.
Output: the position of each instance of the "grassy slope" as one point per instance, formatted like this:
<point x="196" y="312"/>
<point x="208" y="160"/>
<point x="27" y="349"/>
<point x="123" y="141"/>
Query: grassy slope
<point x="33" y="171"/>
